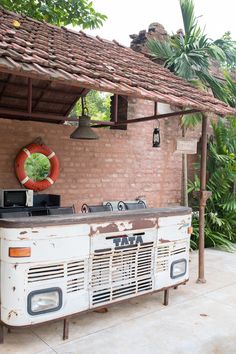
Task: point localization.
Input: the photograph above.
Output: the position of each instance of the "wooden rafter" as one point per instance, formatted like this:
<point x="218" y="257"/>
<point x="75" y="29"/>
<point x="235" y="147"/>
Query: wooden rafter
<point x="41" y="95"/>
<point x="5" y="83"/>
<point x="82" y="94"/>
<point x="46" y="87"/>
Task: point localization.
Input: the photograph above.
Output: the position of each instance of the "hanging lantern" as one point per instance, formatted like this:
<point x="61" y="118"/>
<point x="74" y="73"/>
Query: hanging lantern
<point x="84" y="131"/>
<point x="156" y="139"/>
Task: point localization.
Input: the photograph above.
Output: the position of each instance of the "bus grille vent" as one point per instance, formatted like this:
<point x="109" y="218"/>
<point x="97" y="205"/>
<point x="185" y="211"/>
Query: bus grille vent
<point x="75" y="276"/>
<point x="167" y="249"/>
<point x="121" y="273"/>
<point x="73" y="273"/>
<point x="45" y="272"/>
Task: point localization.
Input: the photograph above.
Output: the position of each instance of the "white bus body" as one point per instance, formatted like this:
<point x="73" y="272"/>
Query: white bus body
<point x="82" y="262"/>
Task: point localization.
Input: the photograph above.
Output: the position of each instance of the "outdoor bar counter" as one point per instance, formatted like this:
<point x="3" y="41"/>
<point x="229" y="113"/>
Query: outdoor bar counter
<point x="90" y="218"/>
<point x="56" y="266"/>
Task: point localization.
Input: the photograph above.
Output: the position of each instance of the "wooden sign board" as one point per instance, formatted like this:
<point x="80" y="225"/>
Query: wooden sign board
<point x="186" y="146"/>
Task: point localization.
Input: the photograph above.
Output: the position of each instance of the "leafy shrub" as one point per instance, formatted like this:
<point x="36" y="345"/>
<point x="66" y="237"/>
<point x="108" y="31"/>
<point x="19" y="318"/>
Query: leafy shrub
<point x="220" y="212"/>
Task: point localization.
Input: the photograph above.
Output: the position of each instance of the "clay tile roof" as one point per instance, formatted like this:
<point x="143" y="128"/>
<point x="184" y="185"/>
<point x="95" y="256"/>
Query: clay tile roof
<point x="48" y="52"/>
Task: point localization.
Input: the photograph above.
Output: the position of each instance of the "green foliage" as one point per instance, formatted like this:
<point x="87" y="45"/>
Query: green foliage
<point x="58" y="12"/>
<point x="189" y="54"/>
<point x="191" y="120"/>
<point x="98" y="105"/>
<point x="228" y="45"/>
<point x="37" y="167"/>
<point x="230" y="89"/>
<point x="220" y="213"/>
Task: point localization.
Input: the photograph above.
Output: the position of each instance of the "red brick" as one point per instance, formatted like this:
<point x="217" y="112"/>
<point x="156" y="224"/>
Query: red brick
<point x="120" y="165"/>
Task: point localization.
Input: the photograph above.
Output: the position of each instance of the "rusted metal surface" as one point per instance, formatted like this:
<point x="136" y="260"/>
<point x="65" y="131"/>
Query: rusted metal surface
<point x="12" y="313"/>
<point x="158" y="116"/>
<point x="204" y="196"/>
<point x="103" y="217"/>
<point x="1" y="333"/>
<point x="21" y="115"/>
<point x="135" y="224"/>
<point x="166" y="297"/>
<point x="164" y="241"/>
<point x="202" y="202"/>
<point x="65" y="329"/>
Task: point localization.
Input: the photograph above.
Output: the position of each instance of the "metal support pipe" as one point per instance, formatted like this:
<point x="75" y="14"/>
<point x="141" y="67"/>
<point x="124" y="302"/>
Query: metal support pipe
<point x="184" y="174"/>
<point x="155" y="108"/>
<point x="1" y="333"/>
<point x="20" y="115"/>
<point x="202" y="201"/>
<point x="116" y="108"/>
<point x="65" y="329"/>
<point x="29" y="105"/>
<point x="166" y="297"/>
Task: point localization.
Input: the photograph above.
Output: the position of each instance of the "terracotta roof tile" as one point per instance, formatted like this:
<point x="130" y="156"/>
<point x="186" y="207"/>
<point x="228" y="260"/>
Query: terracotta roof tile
<point x="49" y="52"/>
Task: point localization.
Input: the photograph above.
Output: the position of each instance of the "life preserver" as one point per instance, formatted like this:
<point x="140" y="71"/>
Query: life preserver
<point x="20" y="167"/>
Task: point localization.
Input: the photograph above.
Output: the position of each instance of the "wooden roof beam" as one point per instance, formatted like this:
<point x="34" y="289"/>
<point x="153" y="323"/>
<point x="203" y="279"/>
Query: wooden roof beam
<point x="5" y="85"/>
<point x="82" y="94"/>
<point x="51" y="90"/>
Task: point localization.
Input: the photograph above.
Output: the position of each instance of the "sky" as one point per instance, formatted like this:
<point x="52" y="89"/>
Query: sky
<point x="127" y="17"/>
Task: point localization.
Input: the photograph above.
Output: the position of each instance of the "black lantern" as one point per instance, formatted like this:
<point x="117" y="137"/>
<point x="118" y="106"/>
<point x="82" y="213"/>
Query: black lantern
<point x="156" y="139"/>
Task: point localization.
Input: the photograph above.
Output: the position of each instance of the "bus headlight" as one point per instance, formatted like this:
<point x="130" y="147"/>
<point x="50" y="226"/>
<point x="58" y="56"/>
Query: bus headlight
<point x="178" y="268"/>
<point x="45" y="300"/>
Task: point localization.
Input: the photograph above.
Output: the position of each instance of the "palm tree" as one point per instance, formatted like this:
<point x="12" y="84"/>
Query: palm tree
<point x="189" y="54"/>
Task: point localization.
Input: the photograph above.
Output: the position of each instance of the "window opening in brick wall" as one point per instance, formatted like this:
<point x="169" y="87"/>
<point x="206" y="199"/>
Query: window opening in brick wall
<point x="101" y="107"/>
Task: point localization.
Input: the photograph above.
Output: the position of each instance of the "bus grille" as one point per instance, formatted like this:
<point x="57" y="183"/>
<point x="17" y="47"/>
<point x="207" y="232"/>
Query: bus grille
<point x="121" y="272"/>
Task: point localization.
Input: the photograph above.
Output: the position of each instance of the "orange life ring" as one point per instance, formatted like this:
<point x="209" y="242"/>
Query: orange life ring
<point x="20" y="167"/>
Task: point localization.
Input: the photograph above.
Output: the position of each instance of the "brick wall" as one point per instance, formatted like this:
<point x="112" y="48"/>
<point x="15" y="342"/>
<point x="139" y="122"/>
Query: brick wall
<point x="120" y="165"/>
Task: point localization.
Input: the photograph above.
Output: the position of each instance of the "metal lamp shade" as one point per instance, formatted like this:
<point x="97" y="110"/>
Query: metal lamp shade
<point x="84" y="130"/>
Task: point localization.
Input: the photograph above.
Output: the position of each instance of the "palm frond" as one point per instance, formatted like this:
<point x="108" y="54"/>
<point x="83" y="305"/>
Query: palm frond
<point x="215" y="85"/>
<point x="229" y="48"/>
<point x="191" y="120"/>
<point x="189" y="19"/>
<point x="160" y="50"/>
<point x="228" y="202"/>
<point x="216" y="53"/>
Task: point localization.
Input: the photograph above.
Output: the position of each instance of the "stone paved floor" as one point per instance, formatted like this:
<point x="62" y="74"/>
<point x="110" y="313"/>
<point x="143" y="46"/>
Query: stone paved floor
<point x="201" y="318"/>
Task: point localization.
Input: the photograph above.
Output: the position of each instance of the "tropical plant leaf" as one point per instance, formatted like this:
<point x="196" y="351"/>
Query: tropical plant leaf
<point x="220" y="212"/>
<point x="191" y="120"/>
<point x="160" y="50"/>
